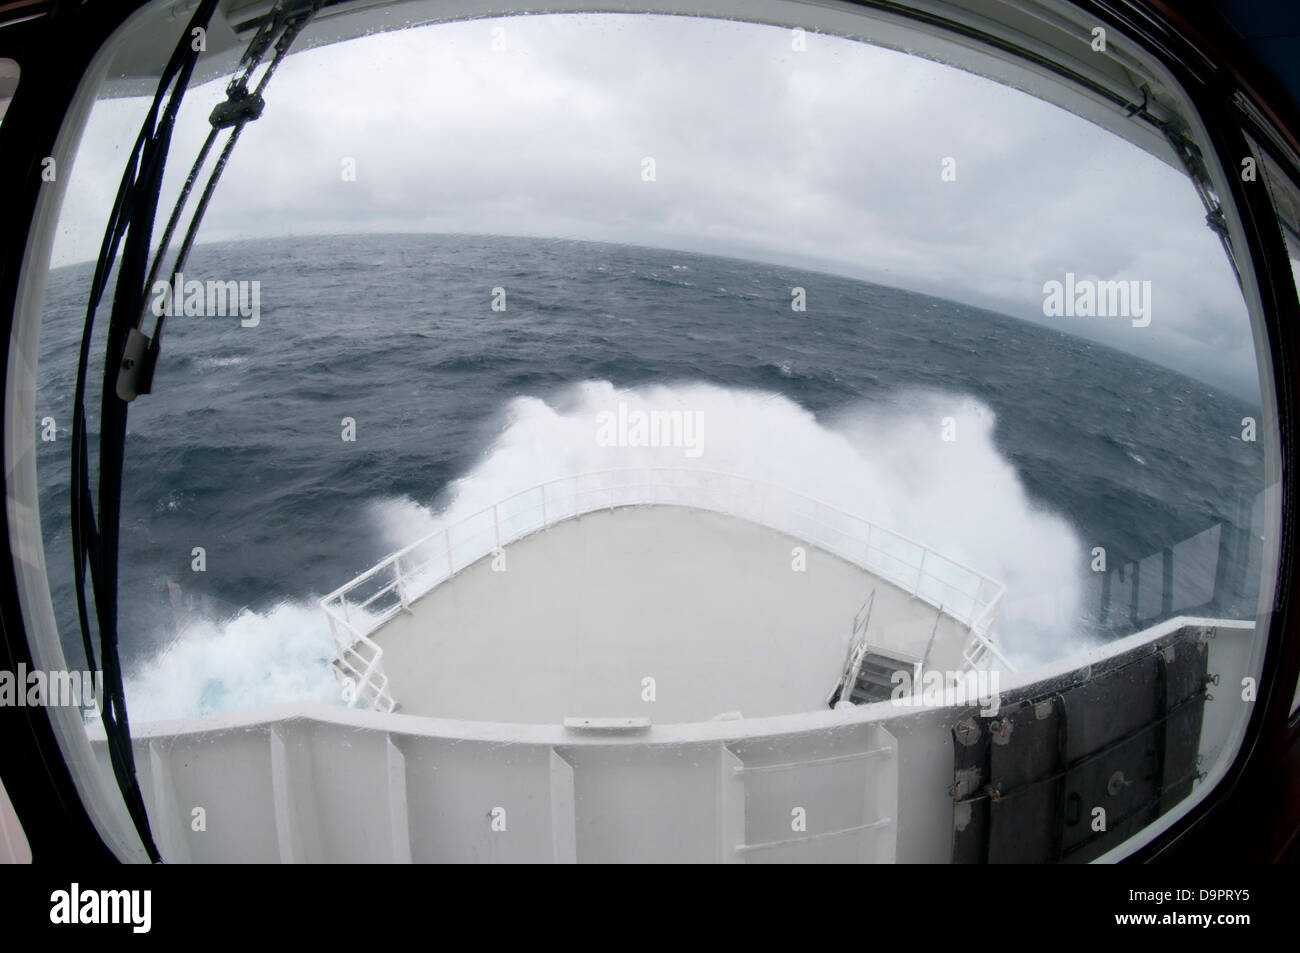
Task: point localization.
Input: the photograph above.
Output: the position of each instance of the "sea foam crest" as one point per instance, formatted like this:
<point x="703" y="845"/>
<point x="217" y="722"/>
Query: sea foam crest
<point x="887" y="462"/>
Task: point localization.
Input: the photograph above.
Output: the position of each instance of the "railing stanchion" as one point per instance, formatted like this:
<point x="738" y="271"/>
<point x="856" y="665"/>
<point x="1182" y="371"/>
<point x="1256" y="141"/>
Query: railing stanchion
<point x="401" y="586"/>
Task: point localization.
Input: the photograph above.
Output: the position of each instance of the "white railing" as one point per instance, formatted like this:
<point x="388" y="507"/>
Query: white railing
<point x="359" y="667"/>
<point x="857" y="647"/>
<point x="362" y="605"/>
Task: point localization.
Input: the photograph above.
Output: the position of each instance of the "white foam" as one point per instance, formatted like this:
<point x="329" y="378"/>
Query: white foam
<point x="252" y="660"/>
<point x="886" y="462"/>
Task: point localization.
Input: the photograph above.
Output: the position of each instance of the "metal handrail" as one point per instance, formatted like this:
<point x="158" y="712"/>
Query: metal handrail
<point x="860" y="651"/>
<point x="871" y="546"/>
<point x="495" y="509"/>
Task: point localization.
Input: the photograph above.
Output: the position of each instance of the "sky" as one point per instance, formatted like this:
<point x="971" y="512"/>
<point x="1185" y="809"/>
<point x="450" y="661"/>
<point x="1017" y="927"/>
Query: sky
<point x="830" y="158"/>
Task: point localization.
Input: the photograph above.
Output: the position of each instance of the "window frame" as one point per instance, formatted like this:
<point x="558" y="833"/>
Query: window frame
<point x="49" y="110"/>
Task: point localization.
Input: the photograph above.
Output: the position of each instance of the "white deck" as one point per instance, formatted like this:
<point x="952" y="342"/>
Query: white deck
<point x="705" y="604"/>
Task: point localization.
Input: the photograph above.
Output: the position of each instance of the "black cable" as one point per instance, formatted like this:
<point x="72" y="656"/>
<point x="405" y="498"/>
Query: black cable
<point x="131" y="223"/>
<point x="248" y="106"/>
<point x="248" y="62"/>
<point x="94" y="543"/>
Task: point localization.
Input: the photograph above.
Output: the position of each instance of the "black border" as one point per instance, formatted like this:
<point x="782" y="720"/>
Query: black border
<point x="1252" y="814"/>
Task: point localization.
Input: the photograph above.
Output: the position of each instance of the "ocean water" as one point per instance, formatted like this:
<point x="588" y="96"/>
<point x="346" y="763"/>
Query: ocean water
<point x="1061" y="445"/>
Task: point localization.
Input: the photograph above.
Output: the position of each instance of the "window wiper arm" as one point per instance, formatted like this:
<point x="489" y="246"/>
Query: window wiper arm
<point x="240" y="107"/>
<point x="1189" y="154"/>
<point x="130" y="225"/>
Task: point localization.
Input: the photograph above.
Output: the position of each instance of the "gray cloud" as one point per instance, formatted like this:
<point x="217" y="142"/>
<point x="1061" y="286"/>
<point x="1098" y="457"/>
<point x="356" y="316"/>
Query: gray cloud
<point x="828" y="158"/>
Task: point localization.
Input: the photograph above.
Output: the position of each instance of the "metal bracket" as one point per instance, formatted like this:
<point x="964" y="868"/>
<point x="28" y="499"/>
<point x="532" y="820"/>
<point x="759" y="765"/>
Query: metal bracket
<point x="240" y="107"/>
<point x="135" y="376"/>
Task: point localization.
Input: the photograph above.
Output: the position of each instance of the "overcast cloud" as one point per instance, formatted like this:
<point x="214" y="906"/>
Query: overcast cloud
<point x="828" y="158"/>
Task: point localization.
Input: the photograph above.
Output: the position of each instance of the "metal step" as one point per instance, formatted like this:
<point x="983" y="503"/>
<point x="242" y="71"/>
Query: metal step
<point x="875" y="681"/>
